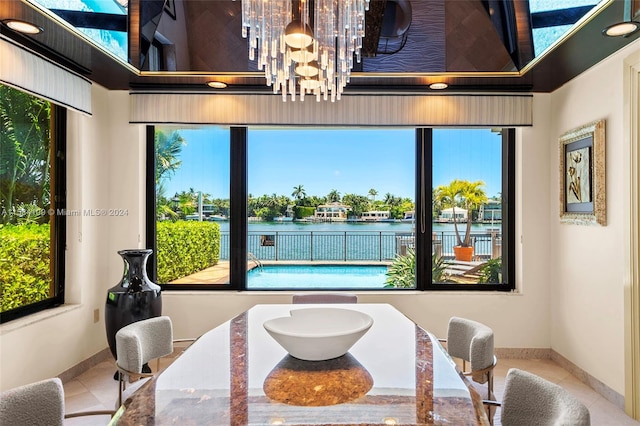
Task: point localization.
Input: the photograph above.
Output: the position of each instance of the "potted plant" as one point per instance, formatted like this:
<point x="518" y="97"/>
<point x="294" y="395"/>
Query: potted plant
<point x="468" y="196"/>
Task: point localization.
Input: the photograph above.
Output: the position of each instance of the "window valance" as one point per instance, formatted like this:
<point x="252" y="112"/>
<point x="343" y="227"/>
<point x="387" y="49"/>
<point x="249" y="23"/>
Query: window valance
<point x="502" y="110"/>
<point x="26" y="71"/>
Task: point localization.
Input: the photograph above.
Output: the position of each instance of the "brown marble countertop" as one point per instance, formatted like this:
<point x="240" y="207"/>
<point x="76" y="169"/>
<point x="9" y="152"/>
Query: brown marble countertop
<point x="236" y="374"/>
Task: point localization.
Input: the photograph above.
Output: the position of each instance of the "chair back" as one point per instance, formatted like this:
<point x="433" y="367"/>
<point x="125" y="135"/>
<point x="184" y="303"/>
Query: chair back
<point x="325" y="297"/>
<point x="532" y="400"/>
<point x="35" y="404"/>
<point x="471" y="341"/>
<point x="142" y="341"/>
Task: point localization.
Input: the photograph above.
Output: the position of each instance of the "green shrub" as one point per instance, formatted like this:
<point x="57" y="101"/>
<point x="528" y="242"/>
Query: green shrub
<point x="24" y="265"/>
<point x="491" y="272"/>
<point x="185" y="247"/>
<point x="402" y="272"/>
<point x="302" y="211"/>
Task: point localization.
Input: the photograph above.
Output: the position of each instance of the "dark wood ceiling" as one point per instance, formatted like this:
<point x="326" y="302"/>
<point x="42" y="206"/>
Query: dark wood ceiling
<point x="470" y="54"/>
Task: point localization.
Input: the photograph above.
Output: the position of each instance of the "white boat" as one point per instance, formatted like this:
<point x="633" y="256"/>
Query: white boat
<point x="283" y="219"/>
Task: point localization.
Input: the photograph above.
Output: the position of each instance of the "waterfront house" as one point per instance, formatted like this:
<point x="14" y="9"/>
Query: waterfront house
<point x="490" y="212"/>
<point x="577" y="288"/>
<point x="332" y="212"/>
<point x="447" y="215"/>
<point x="375" y="216"/>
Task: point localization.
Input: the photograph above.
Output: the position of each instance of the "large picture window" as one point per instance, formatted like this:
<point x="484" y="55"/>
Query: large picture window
<point x="326" y="209"/>
<point x="471" y="217"/>
<point x="32" y="189"/>
<point x="191" y="206"/>
<point x="329" y="208"/>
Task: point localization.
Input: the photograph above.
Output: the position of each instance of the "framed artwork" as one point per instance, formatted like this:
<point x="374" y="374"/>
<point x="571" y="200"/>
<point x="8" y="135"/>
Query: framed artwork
<point x="582" y="175"/>
<point x="635" y="10"/>
<point x="170" y="8"/>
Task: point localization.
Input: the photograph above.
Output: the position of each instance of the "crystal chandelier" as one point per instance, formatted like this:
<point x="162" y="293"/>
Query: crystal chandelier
<point x="296" y="46"/>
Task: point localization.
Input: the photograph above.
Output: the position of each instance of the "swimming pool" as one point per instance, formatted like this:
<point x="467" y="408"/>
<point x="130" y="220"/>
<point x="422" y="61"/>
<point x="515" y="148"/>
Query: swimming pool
<point x="316" y="276"/>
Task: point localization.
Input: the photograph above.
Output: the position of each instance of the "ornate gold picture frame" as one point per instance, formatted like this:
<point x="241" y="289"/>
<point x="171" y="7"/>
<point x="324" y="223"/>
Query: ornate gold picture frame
<point x="582" y="175"/>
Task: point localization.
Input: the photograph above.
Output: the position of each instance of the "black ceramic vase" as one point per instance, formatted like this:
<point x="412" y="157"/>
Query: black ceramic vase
<point x="134" y="298"/>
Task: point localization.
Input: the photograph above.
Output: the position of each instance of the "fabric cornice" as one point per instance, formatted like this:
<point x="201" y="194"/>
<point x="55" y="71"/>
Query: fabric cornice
<point x="352" y="110"/>
<point x="25" y="71"/>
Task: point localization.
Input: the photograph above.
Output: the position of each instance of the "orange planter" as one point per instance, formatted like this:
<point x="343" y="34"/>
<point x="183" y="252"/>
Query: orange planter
<point x="464" y="254"/>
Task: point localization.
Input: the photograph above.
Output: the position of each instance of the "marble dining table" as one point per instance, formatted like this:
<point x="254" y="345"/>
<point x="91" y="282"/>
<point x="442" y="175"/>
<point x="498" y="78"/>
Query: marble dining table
<point x="237" y="374"/>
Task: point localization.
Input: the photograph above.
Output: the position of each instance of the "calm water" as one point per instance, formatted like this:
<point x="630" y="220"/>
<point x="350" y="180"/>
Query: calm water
<point x="317" y="276"/>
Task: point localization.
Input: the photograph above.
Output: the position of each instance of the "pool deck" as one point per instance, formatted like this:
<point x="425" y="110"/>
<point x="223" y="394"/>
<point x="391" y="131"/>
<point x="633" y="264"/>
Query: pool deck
<point x="219" y="274"/>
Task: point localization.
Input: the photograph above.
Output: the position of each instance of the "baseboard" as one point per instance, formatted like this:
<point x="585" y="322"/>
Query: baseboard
<point x="547" y="353"/>
<point x="523" y="353"/>
<point x="92" y="361"/>
<point x="586" y="378"/>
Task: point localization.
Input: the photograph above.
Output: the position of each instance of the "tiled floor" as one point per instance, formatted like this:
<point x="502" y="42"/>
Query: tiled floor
<point x="96" y="390"/>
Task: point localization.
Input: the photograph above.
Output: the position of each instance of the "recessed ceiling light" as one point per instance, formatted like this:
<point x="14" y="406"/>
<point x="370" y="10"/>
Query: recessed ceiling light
<point x="438" y="86"/>
<point x="22" y="26"/>
<point x="621" y="29"/>
<point x="217" y="84"/>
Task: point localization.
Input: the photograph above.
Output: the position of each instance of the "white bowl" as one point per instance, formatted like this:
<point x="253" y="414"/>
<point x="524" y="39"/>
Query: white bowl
<point x="317" y="334"/>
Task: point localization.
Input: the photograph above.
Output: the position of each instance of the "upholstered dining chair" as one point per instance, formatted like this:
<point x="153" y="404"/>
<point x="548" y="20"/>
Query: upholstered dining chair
<point x="136" y="345"/>
<point x="37" y="404"/>
<point x="530" y="400"/>
<point x="325" y="297"/>
<point x="472" y="342"/>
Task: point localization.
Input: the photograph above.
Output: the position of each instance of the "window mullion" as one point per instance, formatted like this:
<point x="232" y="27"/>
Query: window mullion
<point x="423" y="207"/>
<point x="238" y="227"/>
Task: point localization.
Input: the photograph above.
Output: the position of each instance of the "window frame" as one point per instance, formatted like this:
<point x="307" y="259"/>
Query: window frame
<point x="238" y="223"/>
<point x="58" y="223"/>
<point x="423" y="243"/>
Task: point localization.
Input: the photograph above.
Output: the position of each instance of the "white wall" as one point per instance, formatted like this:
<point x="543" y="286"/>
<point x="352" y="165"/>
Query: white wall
<point x="566" y="297"/>
<point x="586" y="267"/>
<point x="104" y="158"/>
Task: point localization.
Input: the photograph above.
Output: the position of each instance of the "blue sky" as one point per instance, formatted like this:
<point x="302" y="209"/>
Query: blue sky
<point x="348" y="160"/>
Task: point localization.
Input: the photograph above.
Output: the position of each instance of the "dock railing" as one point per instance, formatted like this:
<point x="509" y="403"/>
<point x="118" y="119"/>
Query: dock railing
<point x="346" y="246"/>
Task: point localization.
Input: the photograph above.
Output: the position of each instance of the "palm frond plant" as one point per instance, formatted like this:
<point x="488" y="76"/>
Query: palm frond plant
<point x="491" y="272"/>
<point x="402" y="272"/>
<point x="438" y="269"/>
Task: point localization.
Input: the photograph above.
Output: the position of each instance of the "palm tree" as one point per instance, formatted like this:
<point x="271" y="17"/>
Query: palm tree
<point x="333" y="196"/>
<point x="372" y="194"/>
<point x="298" y="192"/>
<point x="463" y="194"/>
<point x="358" y="203"/>
<point x="168" y="149"/>
<point x="24" y="148"/>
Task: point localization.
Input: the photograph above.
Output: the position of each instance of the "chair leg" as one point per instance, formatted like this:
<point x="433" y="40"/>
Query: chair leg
<point x="121" y="387"/>
<point x="490" y="415"/>
<point x="490" y="382"/>
<point x="490" y="395"/>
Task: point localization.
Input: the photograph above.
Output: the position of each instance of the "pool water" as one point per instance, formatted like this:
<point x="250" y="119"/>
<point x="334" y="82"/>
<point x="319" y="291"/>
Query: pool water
<point x="317" y="276"/>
